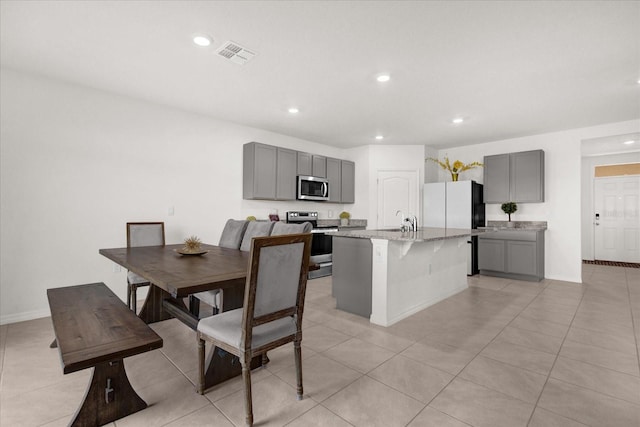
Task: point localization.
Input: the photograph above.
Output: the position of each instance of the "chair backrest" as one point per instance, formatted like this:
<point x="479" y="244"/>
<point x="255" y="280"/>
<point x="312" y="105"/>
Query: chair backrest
<point x="276" y="281"/>
<point x="145" y="234"/>
<point x="280" y="228"/>
<point x="233" y="233"/>
<point x="255" y="229"/>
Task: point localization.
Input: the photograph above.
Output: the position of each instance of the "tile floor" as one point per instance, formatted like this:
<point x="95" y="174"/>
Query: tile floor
<point x="501" y="353"/>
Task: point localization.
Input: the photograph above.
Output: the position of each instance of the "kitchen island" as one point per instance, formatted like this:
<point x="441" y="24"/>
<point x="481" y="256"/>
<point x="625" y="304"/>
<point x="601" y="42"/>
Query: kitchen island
<point x="388" y="275"/>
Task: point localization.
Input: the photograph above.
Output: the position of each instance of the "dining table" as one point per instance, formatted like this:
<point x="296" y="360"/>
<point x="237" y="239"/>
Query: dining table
<point x="175" y="276"/>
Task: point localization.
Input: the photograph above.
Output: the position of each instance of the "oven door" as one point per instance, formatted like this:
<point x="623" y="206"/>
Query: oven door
<point x="321" y="251"/>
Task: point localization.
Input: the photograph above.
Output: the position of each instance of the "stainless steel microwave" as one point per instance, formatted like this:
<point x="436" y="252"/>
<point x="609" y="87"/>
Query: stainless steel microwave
<point x="312" y="188"/>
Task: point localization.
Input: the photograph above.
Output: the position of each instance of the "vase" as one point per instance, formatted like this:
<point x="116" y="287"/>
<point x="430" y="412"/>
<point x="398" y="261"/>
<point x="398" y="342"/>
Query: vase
<point x="344" y="221"/>
<point x="454" y="176"/>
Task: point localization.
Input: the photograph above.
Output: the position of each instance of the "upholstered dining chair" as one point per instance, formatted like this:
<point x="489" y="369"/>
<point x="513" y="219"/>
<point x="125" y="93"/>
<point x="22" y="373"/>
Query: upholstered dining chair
<point x="231" y="238"/>
<point x="141" y="234"/>
<point x="272" y="312"/>
<point x="255" y="229"/>
<point x="280" y="228"/>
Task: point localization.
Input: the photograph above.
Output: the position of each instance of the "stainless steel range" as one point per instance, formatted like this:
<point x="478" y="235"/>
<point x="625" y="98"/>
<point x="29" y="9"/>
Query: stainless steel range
<point x="321" y="244"/>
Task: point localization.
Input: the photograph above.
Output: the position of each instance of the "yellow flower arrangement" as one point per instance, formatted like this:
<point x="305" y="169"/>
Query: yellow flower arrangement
<point x="457" y="166"/>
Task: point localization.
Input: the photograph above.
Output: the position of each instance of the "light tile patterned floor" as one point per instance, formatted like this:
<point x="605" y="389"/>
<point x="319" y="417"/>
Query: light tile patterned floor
<point x="501" y="353"/>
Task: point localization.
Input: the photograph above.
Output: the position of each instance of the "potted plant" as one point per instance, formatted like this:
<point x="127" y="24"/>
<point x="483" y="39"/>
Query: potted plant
<point x="455" y="168"/>
<point x="509" y="208"/>
<point x="344" y="218"/>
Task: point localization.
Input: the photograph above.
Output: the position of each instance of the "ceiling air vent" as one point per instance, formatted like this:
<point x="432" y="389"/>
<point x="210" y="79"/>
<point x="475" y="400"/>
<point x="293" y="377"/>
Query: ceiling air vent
<point x="235" y="53"/>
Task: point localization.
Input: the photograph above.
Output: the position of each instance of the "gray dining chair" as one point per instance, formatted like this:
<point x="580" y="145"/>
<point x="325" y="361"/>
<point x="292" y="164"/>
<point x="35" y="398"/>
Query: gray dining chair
<point x="231" y="238"/>
<point x="280" y="228"/>
<point x="272" y="312"/>
<point x="141" y="234"/>
<point x="255" y="229"/>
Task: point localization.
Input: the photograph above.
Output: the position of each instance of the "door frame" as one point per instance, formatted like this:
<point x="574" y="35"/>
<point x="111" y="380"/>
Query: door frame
<point x="594" y="179"/>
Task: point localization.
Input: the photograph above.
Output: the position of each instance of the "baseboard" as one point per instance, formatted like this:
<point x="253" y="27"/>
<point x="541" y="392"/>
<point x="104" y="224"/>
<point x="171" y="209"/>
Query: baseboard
<point x="23" y="317"/>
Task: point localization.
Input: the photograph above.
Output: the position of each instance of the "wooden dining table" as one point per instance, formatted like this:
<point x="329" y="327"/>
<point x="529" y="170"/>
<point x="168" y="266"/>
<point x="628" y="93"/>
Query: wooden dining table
<point x="174" y="277"/>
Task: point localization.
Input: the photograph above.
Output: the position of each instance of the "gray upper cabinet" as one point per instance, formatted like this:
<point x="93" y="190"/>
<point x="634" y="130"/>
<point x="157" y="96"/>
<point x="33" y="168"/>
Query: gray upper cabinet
<point x="305" y="164"/>
<point x="259" y="171"/>
<point x="286" y="174"/>
<point x="496" y="179"/>
<point x="319" y="166"/>
<point x="516" y="177"/>
<point x="334" y="175"/>
<point x="312" y="165"/>
<point x="348" y="187"/>
<point x="268" y="172"/>
<point x="527" y="176"/>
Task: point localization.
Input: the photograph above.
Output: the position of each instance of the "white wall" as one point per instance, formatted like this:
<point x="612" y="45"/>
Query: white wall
<point x="561" y="208"/>
<point x="587" y="189"/>
<point x="77" y="164"/>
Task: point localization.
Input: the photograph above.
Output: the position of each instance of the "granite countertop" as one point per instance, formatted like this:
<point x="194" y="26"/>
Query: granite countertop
<point x="336" y="223"/>
<point x="517" y="226"/>
<point x="425" y="234"/>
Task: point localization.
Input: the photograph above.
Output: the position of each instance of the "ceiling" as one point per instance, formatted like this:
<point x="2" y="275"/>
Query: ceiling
<point x="509" y="68"/>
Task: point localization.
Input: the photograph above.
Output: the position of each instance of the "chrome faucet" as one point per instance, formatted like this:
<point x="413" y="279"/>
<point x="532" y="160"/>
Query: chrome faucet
<point x="412" y="221"/>
<point x="403" y="227"/>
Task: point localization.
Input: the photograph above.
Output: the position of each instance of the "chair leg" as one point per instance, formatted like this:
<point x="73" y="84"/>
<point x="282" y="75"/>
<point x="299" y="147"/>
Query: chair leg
<point x="201" y="351"/>
<point x="129" y="295"/>
<point x="134" y="298"/>
<point x="298" y="357"/>
<point x="194" y="305"/>
<point x="246" y="376"/>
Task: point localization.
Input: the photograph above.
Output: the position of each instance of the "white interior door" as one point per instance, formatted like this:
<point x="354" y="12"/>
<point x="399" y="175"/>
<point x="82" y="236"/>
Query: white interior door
<point x="617" y="218"/>
<point x="397" y="191"/>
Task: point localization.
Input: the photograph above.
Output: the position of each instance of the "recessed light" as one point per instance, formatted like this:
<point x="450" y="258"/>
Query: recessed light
<point x="629" y="142"/>
<point x="379" y="137"/>
<point x="457" y="120"/>
<point x="293" y="110"/>
<point x="202" y="40"/>
<point x="383" y="78"/>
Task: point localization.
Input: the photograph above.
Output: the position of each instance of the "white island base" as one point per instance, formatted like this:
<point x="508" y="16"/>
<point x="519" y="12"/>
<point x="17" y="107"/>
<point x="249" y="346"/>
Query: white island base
<point x="410" y="276"/>
<point x="388" y="275"/>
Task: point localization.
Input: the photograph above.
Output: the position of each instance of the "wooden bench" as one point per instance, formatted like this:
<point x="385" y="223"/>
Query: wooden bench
<point x="94" y="328"/>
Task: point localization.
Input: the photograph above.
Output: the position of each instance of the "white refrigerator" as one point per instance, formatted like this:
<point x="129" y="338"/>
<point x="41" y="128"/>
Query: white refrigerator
<point x="456" y="204"/>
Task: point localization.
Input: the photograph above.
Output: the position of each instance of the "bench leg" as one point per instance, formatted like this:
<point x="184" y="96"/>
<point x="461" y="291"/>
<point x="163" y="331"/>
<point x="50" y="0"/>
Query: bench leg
<point x="109" y="396"/>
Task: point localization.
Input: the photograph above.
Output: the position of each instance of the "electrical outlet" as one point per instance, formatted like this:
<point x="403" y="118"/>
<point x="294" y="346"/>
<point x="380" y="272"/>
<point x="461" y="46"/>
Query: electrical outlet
<point x="170" y="211"/>
<point x="117" y="268"/>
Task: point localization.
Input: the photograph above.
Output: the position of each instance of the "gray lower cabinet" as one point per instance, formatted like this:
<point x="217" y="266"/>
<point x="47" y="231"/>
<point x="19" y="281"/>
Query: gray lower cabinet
<point x="351" y="280"/>
<point x="512" y="254"/>
<point x="515" y="177"/>
<point x="269" y="172"/>
<point x="491" y="254"/>
<point x="348" y="187"/>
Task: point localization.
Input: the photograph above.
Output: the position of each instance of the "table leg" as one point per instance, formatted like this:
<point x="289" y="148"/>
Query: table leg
<point x="109" y="396"/>
<point x="221" y="366"/>
<point x="152" y="309"/>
